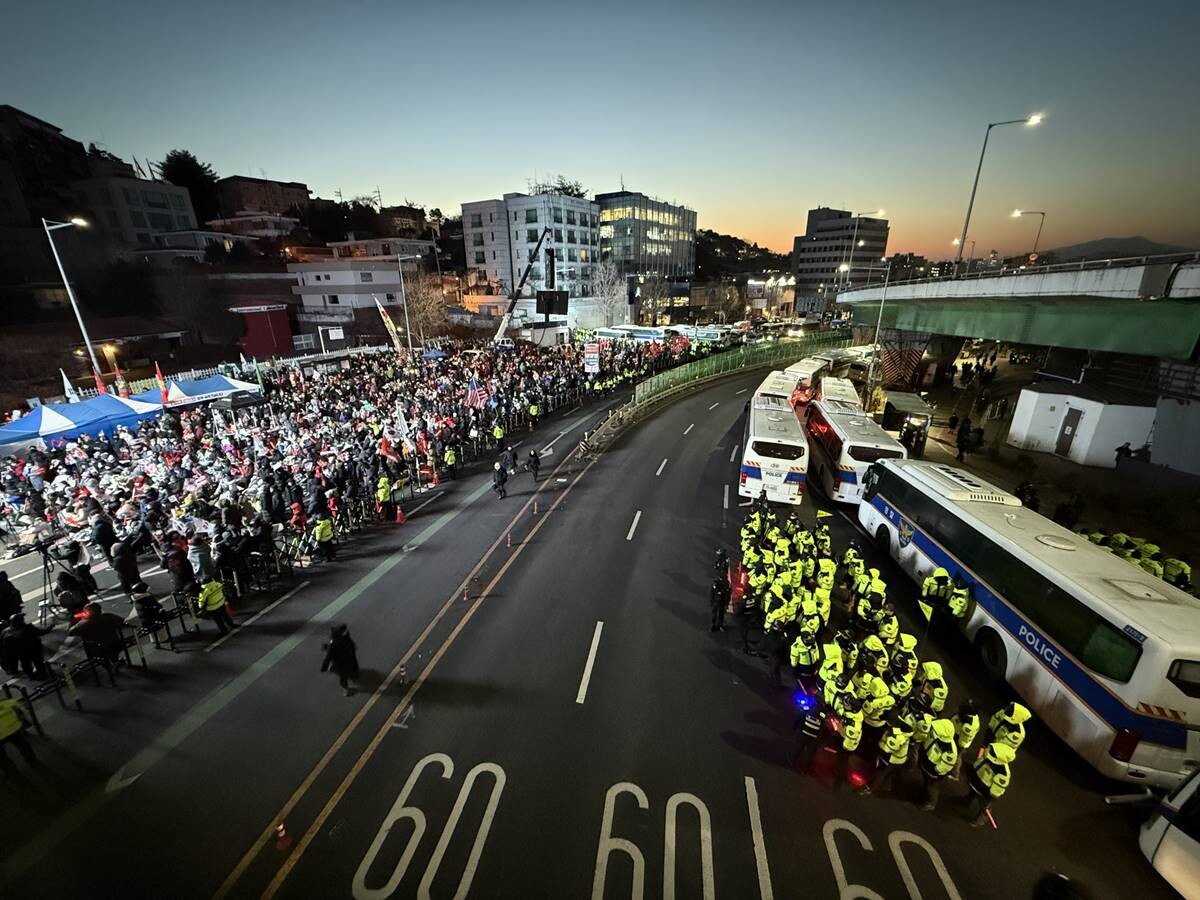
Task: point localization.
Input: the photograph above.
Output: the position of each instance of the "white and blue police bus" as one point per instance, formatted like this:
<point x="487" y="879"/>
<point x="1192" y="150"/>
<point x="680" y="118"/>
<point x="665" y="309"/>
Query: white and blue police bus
<point x="774" y="451"/>
<point x="776" y="384"/>
<point x="839" y="390"/>
<point x="1105" y="654"/>
<point x="807" y="374"/>
<point x="843" y="442"/>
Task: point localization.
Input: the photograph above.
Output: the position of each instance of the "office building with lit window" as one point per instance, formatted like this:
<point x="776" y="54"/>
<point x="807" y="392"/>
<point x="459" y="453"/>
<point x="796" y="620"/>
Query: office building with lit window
<point x="833" y="238"/>
<point x="645" y="236"/>
<point x="500" y="235"/>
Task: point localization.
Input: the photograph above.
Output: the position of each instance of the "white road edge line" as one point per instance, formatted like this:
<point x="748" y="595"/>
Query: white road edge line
<point x="689" y="428"/>
<point x="254" y="618"/>
<point x="733" y="455"/>
<point x="760" y="847"/>
<point x="591" y="661"/>
<point x="742" y="391"/>
<point x="662" y="465"/>
<point x="725" y="501"/>
<point x="632" y="528"/>
<point x="714" y="406"/>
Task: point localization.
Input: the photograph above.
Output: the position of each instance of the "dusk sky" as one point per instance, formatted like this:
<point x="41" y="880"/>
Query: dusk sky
<point x="749" y="112"/>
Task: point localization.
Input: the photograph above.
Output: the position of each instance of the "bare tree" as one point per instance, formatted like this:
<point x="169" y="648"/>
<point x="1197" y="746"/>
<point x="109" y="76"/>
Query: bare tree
<point x="609" y="290"/>
<point x="654" y="297"/>
<point x="426" y="305"/>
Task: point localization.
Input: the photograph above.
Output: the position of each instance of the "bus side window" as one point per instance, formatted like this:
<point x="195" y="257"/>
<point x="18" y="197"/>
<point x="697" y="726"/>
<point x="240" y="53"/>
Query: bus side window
<point x="870" y="483"/>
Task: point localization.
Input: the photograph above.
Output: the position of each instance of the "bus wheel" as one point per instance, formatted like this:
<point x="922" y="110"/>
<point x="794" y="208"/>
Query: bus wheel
<point x="883" y="539"/>
<point x="992" y="652"/>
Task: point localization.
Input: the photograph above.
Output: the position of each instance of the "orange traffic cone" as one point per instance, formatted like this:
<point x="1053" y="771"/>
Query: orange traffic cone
<point x="508" y="539"/>
<point x="400" y="517"/>
<point x="436" y="480"/>
<point x="283" y="841"/>
<point x="466" y="597"/>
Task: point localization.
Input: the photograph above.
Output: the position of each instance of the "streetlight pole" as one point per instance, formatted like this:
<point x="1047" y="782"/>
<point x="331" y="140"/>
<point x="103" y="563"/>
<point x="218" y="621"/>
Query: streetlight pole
<point x="54" y="226"/>
<point x="875" y="214"/>
<point x="1029" y="121"/>
<point x="878" y="349"/>
<point x="1017" y="213"/>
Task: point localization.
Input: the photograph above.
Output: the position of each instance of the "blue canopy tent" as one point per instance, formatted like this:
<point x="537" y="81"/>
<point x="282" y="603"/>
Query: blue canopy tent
<point x="67" y="421"/>
<point x="186" y="393"/>
<point x="434" y="354"/>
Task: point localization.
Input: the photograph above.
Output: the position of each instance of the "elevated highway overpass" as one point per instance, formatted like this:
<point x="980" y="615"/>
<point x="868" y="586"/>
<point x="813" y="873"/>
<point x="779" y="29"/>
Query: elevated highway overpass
<point x="1148" y="306"/>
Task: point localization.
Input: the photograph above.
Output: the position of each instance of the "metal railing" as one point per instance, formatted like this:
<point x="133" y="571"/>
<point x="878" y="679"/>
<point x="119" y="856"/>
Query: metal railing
<point x="781" y="354"/>
<point x="1002" y="271"/>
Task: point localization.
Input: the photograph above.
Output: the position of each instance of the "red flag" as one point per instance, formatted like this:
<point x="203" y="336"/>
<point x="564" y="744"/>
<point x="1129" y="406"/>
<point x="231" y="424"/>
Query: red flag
<point x="100" y="388"/>
<point x="120" y="382"/>
<point x="162" y="383"/>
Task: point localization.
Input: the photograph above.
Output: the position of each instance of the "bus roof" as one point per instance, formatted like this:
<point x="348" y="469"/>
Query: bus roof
<point x="772" y="418"/>
<point x="806" y="367"/>
<point x="841" y="389"/>
<point x="858" y="428"/>
<point x="1129" y="592"/>
<point x="776" y="384"/>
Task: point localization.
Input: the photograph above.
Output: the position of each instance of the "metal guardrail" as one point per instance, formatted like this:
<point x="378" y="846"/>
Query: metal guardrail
<point x="780" y="354"/>
<point x="1003" y="271"/>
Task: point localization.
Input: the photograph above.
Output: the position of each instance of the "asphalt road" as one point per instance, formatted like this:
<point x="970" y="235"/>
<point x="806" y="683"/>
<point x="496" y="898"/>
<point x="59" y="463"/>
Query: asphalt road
<point x="567" y="726"/>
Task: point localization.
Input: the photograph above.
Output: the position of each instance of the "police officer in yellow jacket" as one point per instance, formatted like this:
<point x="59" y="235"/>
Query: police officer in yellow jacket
<point x="894" y="747"/>
<point x="1177" y="571"/>
<point x="935" y="592"/>
<point x="12" y="731"/>
<point x="906" y="649"/>
<point x="938" y="756"/>
<point x="1007" y="725"/>
<point x="989" y="779"/>
<point x="933" y="685"/>
<point x="966" y="729"/>
<point x="211" y="605"/>
<point x="850" y="727"/>
<point x="323" y="533"/>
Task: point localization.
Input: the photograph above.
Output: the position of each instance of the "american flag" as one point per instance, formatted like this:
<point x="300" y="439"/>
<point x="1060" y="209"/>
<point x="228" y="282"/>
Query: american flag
<point x="477" y="394"/>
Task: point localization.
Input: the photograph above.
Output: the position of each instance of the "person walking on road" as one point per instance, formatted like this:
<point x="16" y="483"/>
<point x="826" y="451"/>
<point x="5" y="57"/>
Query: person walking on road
<point x="718" y="599"/>
<point x="507" y="461"/>
<point x="535" y="463"/>
<point x="499" y="479"/>
<point x="989" y="779"/>
<point x="12" y="731"/>
<point x="341" y="657"/>
<point x="10" y="598"/>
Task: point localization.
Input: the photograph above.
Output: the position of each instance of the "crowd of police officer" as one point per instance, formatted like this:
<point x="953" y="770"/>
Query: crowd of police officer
<point x="863" y="689"/>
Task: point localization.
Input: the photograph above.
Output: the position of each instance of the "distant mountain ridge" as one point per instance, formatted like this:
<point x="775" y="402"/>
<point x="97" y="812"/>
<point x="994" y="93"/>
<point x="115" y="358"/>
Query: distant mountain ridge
<point x="1115" y="248"/>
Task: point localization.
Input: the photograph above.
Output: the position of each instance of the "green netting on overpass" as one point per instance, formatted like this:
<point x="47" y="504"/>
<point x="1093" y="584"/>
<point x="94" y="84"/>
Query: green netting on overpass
<point x="1167" y="328"/>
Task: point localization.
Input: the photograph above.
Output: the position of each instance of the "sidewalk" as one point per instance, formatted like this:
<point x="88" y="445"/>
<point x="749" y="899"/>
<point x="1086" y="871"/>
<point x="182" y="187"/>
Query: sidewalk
<point x="1113" y="502"/>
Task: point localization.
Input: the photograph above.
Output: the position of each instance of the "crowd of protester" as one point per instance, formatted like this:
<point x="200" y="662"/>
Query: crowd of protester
<point x="201" y="489"/>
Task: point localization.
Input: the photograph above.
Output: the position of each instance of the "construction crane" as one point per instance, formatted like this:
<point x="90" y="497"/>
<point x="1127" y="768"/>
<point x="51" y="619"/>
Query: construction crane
<point x="506" y="319"/>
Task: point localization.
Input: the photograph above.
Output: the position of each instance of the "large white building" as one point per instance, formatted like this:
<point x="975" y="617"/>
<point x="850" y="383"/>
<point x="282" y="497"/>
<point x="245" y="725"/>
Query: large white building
<point x="332" y="289"/>
<point x="500" y="235"/>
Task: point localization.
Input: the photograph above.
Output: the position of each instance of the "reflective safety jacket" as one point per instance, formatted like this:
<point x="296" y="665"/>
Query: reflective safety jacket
<point x="888" y="629"/>
<point x="960" y="600"/>
<point x="383" y="489"/>
<point x="933" y="685"/>
<point x="826" y="572"/>
<point x="940" y="752"/>
<point x="992" y="774"/>
<point x="899" y="683"/>
<point x="852" y="726"/>
<point x="822" y="598"/>
<point x="449" y="458"/>
<point x="937" y="584"/>
<point x="893" y="746"/>
<point x="831" y="691"/>
<point x="832" y="664"/>
<point x="323" y="530"/>
<point x="497" y="431"/>
<point x="965" y="730"/>
<point x="1177" y="572"/>
<point x="805" y="650"/>
<point x="1153" y="566"/>
<point x="212" y="597"/>
<point x="10" y="719"/>
<point x="751" y="557"/>
<point x="906" y="648"/>
<point x="1007" y="725"/>
<point x="872" y="648"/>
<point x="878" y="703"/>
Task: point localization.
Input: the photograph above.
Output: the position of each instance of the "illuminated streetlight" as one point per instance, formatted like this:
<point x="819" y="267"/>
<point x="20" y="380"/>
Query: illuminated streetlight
<point x="1017" y="213"/>
<point x="1029" y="121"/>
<point x="50" y="226"/>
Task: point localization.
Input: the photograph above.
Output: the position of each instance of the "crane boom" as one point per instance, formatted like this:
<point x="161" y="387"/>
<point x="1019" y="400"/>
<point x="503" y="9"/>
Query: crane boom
<point x="506" y="319"/>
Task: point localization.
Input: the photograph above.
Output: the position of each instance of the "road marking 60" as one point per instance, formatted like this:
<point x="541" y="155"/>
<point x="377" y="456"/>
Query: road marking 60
<point x="896" y="840"/>
<point x="400" y="810"/>
<point x="609" y="844"/>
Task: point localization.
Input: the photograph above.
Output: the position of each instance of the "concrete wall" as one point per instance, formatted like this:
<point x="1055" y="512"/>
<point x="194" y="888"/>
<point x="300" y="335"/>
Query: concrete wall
<point x="1038" y="419"/>
<point x="1177" y="435"/>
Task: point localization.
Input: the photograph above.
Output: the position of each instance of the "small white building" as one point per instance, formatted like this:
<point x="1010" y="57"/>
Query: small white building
<point x="330" y="290"/>
<point x="1079" y="422"/>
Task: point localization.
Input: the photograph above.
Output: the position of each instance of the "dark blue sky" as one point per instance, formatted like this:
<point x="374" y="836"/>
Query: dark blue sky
<point x="749" y="112"/>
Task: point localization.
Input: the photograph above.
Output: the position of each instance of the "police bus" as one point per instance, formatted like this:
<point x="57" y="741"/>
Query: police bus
<point x="776" y="384"/>
<point x="844" y="441"/>
<point x="775" y="452"/>
<point x="1107" y="655"/>
<point x="839" y="390"/>
<point x="807" y="374"/>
